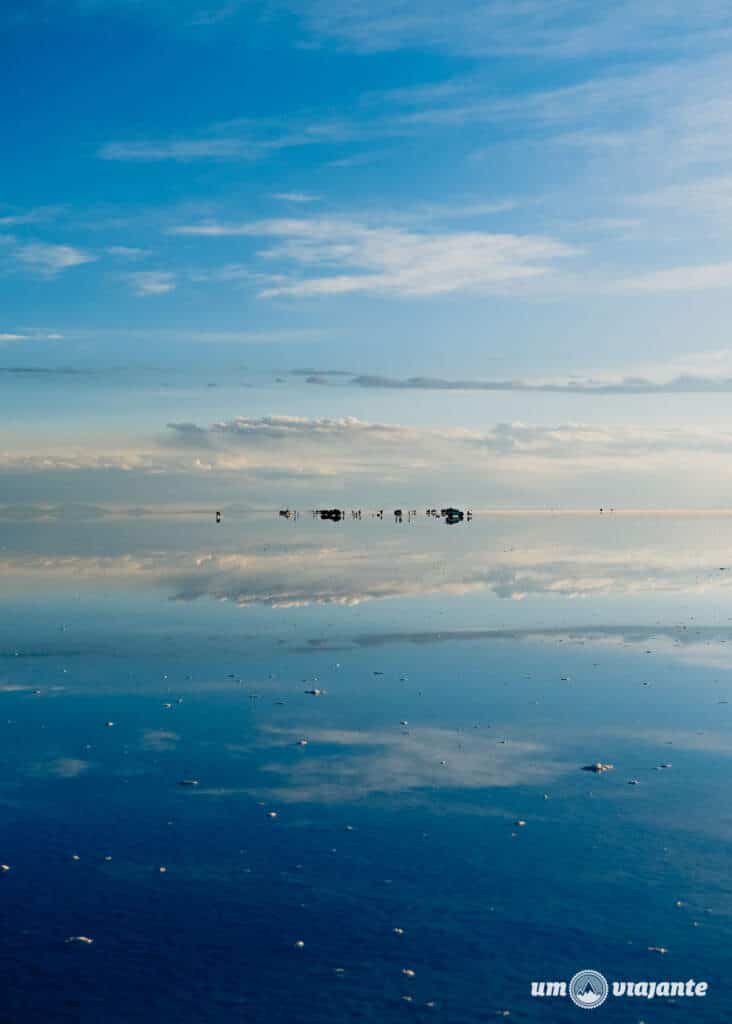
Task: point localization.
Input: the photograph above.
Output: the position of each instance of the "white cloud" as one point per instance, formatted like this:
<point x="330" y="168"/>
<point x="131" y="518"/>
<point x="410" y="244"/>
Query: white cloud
<point x="236" y="273"/>
<point x="388" y="761"/>
<point x="81" y="458"/>
<point x="288" y="447"/>
<point x="700" y="277"/>
<point x="215" y="15"/>
<point x="608" y="108"/>
<point x="336" y="575"/>
<point x="355" y="257"/>
<point x="353" y="447"/>
<point x="254" y="139"/>
<point x="29" y="334"/>
<point x="298" y="448"/>
<point x="709" y="364"/>
<point x="323" y="459"/>
<point x="312" y="570"/>
<point x="565" y="28"/>
<point x="61" y="767"/>
<point x="250" y="430"/>
<point x="710" y="372"/>
<point x="167" y="335"/>
<point x="712" y="194"/>
<point x="656" y="122"/>
<point x="159" y="740"/>
<point x="34" y="216"/>
<point x="126" y="252"/>
<point x="238" y="139"/>
<point x="152" y="282"/>
<point x="673" y="113"/>
<point x="45" y="258"/>
<point x="215" y="230"/>
<point x="182" y="150"/>
<point x="295" y="197"/>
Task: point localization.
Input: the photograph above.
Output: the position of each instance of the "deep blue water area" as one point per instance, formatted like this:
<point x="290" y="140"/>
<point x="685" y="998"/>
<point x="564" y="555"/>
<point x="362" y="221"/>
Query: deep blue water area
<point x="466" y="677"/>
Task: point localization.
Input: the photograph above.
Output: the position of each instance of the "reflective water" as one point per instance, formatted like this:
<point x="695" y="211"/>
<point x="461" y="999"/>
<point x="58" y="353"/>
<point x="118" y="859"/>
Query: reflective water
<point x="468" y="673"/>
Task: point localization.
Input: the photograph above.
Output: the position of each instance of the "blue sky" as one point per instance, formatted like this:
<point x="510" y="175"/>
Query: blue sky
<point x="537" y="181"/>
<point x="531" y="191"/>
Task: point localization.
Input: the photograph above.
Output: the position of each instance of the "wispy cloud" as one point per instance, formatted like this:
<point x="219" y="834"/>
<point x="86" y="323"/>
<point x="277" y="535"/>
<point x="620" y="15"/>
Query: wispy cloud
<point x="159" y="740"/>
<point x="60" y="767"/>
<point x="126" y="252"/>
<point x="693" y="278"/>
<point x="34" y="216"/>
<point x="345" y="447"/>
<point x="195" y="336"/>
<point x="78" y="458"/>
<point x="568" y="464"/>
<point x="355" y="257"/>
<point x="610" y="106"/>
<point x="251" y="430"/>
<point x="711" y="194"/>
<point x="152" y="282"/>
<point x="233" y="273"/>
<point x="48" y="259"/>
<point x="685" y="383"/>
<point x="571" y="561"/>
<point x="215" y="14"/>
<point x="670" y="115"/>
<point x="567" y="29"/>
<point x="347" y="443"/>
<point x="384" y="761"/>
<point x="244" y="139"/>
<point x="337" y="575"/>
<point x="183" y="150"/>
<point x="29" y="334"/>
<point x="295" y="197"/>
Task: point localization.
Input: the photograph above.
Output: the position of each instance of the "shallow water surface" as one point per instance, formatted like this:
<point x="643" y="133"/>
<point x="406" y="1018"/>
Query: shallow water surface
<point x="466" y="674"/>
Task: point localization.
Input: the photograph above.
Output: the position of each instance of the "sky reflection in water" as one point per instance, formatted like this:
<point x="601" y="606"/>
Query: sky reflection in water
<point x="468" y="673"/>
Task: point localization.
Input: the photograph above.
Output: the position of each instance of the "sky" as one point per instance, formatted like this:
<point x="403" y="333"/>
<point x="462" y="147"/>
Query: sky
<point x="300" y="248"/>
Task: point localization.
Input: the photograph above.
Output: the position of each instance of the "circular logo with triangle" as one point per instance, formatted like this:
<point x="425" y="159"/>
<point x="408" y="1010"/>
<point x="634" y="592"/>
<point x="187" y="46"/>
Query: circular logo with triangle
<point x="588" y="989"/>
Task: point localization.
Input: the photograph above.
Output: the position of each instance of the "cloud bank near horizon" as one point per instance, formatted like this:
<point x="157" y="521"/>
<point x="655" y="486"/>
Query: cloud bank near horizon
<point x="282" y="459"/>
<point x="684" y="384"/>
